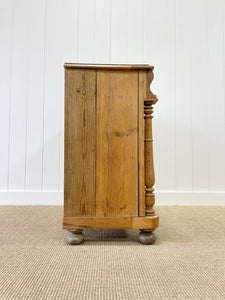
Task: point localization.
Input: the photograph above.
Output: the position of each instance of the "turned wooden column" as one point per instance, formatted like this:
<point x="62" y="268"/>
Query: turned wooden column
<point x="149" y="101"/>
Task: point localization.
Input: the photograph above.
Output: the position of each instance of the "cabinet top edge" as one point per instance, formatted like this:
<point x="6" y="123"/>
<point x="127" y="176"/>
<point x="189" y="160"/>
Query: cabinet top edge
<point x="108" y="66"/>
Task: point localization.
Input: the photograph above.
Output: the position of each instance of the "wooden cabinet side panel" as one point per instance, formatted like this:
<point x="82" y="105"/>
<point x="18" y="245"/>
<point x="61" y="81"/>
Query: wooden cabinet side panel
<point x="117" y="143"/>
<point x="80" y="143"/>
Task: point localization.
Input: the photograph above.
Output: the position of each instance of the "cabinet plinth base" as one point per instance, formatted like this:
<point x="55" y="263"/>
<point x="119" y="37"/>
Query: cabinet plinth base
<point x="148" y="223"/>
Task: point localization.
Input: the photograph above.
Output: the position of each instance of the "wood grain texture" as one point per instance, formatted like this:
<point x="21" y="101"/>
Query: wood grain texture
<point x="80" y="136"/>
<point x="117" y="148"/>
<point x="141" y="183"/>
<point x="111" y="222"/>
<point x="149" y="162"/>
<point x="108" y="67"/>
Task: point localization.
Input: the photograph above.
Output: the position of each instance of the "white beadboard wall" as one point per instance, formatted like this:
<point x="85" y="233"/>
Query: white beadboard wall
<point x="184" y="40"/>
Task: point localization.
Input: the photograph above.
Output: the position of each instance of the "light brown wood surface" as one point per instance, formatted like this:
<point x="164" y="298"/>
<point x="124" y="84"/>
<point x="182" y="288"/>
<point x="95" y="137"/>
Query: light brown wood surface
<point x="80" y="143"/>
<point x="149" y="100"/>
<point x="141" y="165"/>
<point x="110" y="222"/>
<point x="109" y="169"/>
<point x="117" y="143"/>
<point x="108" y="67"/>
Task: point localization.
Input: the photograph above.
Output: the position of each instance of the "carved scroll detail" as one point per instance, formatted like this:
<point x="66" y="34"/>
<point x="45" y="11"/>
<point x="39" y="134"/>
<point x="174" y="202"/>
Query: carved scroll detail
<point x="149" y="79"/>
<point x="149" y="101"/>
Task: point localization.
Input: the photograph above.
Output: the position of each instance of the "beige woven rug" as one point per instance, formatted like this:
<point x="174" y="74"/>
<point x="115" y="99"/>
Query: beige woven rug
<point x="187" y="261"/>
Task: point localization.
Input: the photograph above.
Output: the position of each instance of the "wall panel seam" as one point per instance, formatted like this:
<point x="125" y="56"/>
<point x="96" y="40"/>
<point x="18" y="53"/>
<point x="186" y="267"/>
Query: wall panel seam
<point x="43" y="108"/>
<point x="10" y="91"/>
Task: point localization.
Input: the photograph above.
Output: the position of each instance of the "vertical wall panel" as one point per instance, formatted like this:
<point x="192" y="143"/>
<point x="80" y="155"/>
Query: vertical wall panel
<point x="159" y="50"/>
<point x="199" y="97"/>
<point x="166" y="80"/>
<point x="86" y="31"/>
<point x="102" y="31"/>
<point x="52" y="95"/>
<point x="18" y="93"/>
<point x="134" y="32"/>
<point x="69" y="53"/>
<point x="150" y="50"/>
<point x="70" y="30"/>
<point x="6" y="28"/>
<point x="184" y="40"/>
<point x="184" y="105"/>
<point x="216" y="93"/>
<point x="35" y="93"/>
<point x="119" y="15"/>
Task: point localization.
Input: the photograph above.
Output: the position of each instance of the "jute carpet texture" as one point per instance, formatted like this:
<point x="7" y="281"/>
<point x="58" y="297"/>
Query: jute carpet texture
<point x="186" y="262"/>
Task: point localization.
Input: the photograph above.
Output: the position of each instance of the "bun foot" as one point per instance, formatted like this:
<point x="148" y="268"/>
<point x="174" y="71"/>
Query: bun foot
<point x="75" y="237"/>
<point x="146" y="237"/>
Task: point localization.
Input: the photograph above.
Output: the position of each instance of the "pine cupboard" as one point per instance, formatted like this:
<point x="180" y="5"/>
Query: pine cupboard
<point x="108" y="156"/>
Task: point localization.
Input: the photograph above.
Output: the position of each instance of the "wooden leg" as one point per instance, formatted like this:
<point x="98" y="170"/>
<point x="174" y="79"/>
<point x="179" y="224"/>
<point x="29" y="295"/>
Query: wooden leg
<point x="149" y="163"/>
<point x="146" y="237"/>
<point x="75" y="236"/>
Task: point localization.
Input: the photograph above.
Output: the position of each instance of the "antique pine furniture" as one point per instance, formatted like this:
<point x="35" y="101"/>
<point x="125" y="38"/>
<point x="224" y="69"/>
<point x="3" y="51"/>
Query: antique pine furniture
<point x="109" y="173"/>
